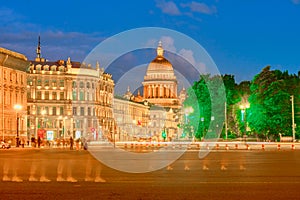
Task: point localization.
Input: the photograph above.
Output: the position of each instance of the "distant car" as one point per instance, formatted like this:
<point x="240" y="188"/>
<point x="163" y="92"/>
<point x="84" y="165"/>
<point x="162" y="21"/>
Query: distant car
<point x="5" y="145"/>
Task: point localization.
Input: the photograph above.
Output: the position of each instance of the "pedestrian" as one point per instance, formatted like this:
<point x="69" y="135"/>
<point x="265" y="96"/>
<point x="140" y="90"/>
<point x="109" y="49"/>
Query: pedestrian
<point x="71" y="143"/>
<point x="22" y="142"/>
<point x="64" y="143"/>
<point x="85" y="145"/>
<point x="39" y="142"/>
<point x="33" y="144"/>
<point x="77" y="143"/>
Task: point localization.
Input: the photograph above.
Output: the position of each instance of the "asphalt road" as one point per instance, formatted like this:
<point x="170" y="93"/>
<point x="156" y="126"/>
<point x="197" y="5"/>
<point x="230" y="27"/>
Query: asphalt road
<point x="65" y="174"/>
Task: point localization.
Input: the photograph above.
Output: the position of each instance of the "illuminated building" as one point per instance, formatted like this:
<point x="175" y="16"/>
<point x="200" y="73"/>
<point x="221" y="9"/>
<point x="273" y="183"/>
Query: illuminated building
<point x="13" y="95"/>
<point x="160" y="83"/>
<point x="160" y="96"/>
<point x="67" y="98"/>
<point x="131" y="118"/>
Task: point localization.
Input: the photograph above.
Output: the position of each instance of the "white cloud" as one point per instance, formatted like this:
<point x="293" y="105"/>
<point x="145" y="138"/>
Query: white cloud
<point x="168" y="7"/>
<point x="55" y="44"/>
<point x="168" y="43"/>
<point x="296" y="2"/>
<point x="200" y="8"/>
<point x="17" y="34"/>
<point x="188" y="55"/>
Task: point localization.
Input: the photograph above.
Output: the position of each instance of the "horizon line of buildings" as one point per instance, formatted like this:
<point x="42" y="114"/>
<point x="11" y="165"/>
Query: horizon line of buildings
<point x="62" y="99"/>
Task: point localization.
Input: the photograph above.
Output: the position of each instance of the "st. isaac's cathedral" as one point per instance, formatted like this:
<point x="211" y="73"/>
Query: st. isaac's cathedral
<point x="157" y="110"/>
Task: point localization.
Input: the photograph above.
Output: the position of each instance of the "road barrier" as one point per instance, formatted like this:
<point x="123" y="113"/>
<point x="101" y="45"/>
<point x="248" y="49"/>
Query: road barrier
<point x="207" y="146"/>
<point x="293" y="146"/>
<point x="226" y="147"/>
<point x="214" y="146"/>
<point x="248" y="147"/>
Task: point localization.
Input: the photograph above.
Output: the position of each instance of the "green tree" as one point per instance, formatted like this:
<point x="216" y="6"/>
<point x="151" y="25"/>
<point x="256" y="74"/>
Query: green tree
<point x="207" y="98"/>
<point x="232" y="98"/>
<point x="270" y="109"/>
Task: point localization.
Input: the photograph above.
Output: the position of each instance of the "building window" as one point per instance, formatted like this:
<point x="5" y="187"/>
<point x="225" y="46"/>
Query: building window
<point x="90" y="123"/>
<point x="74" y="111"/>
<point x="46" y="83"/>
<point x="54" y="83"/>
<point x="78" y="124"/>
<point x="29" y="82"/>
<point x="39" y="95"/>
<point x="74" y="84"/>
<point x="54" y="97"/>
<point x="88" y="85"/>
<point x="53" y="110"/>
<point x="81" y="96"/>
<point x="28" y="110"/>
<point x="82" y="111"/>
<point x="39" y="82"/>
<point x="38" y="110"/>
<point x="61" y="95"/>
<point x="89" y="111"/>
<point x="38" y="69"/>
<point x="61" y="83"/>
<point x="61" y="110"/>
<point x="93" y="86"/>
<point x="74" y="95"/>
<point x="28" y="94"/>
<point x="61" y="69"/>
<point x="47" y="95"/>
<point x="81" y="85"/>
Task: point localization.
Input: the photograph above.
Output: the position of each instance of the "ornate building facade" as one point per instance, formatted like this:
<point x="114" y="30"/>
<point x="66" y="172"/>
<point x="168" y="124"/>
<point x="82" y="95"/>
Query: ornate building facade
<point x="162" y="110"/>
<point x="131" y="118"/>
<point x="13" y="95"/>
<point x="67" y="98"/>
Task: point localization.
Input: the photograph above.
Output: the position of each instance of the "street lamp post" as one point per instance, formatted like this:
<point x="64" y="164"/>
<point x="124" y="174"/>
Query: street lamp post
<point x="187" y="112"/>
<point x="244" y="108"/>
<point x="202" y="120"/>
<point x="226" y="126"/>
<point x="17" y="108"/>
<point x="293" y="118"/>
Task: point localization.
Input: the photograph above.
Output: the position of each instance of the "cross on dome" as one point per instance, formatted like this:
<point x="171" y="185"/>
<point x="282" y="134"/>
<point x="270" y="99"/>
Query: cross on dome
<point x="160" y="50"/>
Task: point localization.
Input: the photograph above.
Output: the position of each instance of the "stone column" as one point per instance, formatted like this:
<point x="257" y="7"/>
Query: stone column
<point x="168" y="91"/>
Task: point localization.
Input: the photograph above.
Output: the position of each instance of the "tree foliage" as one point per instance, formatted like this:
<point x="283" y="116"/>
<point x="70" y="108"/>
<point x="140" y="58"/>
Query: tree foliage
<point x="206" y="97"/>
<point x="270" y="107"/>
<point x="270" y="111"/>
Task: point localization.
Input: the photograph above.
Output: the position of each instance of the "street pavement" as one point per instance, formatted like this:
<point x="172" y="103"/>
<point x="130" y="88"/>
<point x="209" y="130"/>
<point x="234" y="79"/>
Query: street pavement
<point x="223" y="174"/>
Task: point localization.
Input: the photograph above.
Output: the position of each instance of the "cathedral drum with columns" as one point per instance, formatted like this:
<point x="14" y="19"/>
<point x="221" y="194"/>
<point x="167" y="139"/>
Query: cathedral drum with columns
<point x="160" y="83"/>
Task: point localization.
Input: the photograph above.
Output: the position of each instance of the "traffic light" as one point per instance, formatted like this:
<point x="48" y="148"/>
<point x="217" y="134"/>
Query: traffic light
<point x="163" y="134"/>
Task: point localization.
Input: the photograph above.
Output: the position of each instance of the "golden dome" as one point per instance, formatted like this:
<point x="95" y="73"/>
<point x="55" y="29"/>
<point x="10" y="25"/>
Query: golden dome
<point x="160" y="63"/>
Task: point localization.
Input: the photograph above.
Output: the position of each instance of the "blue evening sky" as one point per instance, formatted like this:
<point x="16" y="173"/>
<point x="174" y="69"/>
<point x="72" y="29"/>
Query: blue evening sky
<point x="242" y="37"/>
